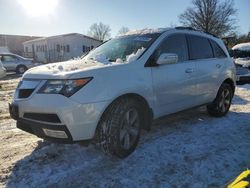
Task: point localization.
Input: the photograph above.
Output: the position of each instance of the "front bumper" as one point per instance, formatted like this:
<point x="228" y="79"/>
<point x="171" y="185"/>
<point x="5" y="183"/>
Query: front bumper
<point x="59" y="113"/>
<point x="39" y="129"/>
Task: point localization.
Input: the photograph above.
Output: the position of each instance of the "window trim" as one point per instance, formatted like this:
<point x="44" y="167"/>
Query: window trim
<point x="188" y="47"/>
<point x="212" y="41"/>
<point x="212" y="48"/>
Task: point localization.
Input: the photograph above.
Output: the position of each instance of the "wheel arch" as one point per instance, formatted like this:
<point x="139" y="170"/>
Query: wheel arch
<point x="147" y="110"/>
<point x="231" y="83"/>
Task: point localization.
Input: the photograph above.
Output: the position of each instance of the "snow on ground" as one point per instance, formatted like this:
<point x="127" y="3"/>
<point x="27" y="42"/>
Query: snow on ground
<point x="7" y="85"/>
<point x="188" y="149"/>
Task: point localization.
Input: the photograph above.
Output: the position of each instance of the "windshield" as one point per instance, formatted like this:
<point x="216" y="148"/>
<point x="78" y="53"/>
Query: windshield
<point x="122" y="49"/>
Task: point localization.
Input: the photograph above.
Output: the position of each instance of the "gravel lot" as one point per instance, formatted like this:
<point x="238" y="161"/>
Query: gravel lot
<point x="188" y="149"/>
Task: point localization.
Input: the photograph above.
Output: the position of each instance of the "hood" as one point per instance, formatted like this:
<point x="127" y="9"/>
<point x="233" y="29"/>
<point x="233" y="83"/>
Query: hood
<point x="61" y="70"/>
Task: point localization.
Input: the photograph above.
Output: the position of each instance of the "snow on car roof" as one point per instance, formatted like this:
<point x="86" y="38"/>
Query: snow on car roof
<point x="242" y="47"/>
<point x="145" y="31"/>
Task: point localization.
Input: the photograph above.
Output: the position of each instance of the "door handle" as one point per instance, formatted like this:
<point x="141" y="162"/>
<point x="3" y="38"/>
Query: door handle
<point x="189" y="70"/>
<point x="218" y="66"/>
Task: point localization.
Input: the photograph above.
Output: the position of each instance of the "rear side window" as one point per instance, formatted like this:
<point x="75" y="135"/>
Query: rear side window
<point x="8" y="58"/>
<point x="199" y="48"/>
<point x="176" y="44"/>
<point x="218" y="52"/>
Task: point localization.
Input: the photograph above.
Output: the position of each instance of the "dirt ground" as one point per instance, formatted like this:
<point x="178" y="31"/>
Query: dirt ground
<point x="188" y="149"/>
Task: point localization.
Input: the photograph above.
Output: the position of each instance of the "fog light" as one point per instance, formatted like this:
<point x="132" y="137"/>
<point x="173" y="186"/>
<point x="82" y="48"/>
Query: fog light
<point x="54" y="133"/>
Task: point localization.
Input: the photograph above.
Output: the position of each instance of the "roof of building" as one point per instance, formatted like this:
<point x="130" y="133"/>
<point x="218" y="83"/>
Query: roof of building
<point x="7" y="35"/>
<point x="58" y="36"/>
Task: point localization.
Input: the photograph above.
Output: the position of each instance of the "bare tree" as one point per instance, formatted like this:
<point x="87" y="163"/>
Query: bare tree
<point x="100" y="31"/>
<point x="210" y="16"/>
<point x="123" y="30"/>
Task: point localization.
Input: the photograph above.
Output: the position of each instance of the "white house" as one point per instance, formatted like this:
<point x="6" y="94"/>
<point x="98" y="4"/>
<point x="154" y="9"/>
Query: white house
<point x="60" y="47"/>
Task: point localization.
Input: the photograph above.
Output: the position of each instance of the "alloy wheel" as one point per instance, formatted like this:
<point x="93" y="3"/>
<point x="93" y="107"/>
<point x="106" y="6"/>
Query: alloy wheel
<point x="21" y="70"/>
<point x="225" y="99"/>
<point x="130" y="128"/>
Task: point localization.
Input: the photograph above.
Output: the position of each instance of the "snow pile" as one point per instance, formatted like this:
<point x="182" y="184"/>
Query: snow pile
<point x="119" y="61"/>
<point x="129" y="58"/>
<point x="102" y="59"/>
<point x="134" y="56"/>
<point x="145" y="31"/>
<point x="242" y="47"/>
<point x="63" y="67"/>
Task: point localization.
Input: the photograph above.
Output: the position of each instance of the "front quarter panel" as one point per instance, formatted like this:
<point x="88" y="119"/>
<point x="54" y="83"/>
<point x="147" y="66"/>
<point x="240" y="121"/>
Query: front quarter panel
<point x="111" y="82"/>
<point x="230" y="72"/>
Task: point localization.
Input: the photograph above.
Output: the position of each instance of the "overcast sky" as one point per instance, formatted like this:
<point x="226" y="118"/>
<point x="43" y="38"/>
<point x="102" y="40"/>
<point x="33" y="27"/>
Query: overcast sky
<point x="52" y="17"/>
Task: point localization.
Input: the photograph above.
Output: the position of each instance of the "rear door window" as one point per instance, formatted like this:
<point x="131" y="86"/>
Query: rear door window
<point x="218" y="52"/>
<point x="199" y="47"/>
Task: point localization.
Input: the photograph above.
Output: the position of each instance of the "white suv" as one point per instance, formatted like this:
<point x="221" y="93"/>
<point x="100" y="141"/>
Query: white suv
<point x="117" y="89"/>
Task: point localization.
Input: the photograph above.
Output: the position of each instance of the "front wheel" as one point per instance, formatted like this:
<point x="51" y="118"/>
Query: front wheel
<point x="21" y="69"/>
<point x="220" y="106"/>
<point x="118" y="131"/>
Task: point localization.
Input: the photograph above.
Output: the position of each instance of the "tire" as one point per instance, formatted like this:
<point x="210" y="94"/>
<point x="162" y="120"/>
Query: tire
<point x="118" y="131"/>
<point x="220" y="106"/>
<point x="21" y="69"/>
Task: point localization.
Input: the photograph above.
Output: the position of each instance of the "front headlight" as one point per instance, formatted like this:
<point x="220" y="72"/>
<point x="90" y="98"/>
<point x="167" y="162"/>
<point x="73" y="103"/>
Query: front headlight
<point x="63" y="87"/>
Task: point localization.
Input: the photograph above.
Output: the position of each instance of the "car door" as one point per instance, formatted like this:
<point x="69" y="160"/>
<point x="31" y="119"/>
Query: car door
<point x="174" y="84"/>
<point x="219" y="63"/>
<point x="208" y="68"/>
<point x="9" y="62"/>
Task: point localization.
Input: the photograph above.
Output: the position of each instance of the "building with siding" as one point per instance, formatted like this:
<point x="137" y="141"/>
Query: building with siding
<point x="60" y="47"/>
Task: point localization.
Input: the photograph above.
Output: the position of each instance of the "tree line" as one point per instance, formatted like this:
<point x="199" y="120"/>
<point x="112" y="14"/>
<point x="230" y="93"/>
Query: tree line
<point x="102" y="31"/>
<point x="216" y="17"/>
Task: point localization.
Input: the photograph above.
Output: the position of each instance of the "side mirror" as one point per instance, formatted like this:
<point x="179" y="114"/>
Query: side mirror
<point x="167" y="58"/>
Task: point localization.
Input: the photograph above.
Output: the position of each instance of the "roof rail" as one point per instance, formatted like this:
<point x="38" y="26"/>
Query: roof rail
<point x="192" y="29"/>
<point x="187" y="28"/>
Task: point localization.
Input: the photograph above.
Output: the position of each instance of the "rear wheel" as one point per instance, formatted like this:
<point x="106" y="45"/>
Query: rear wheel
<point x="220" y="106"/>
<point x="118" y="131"/>
<point x="21" y="69"/>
